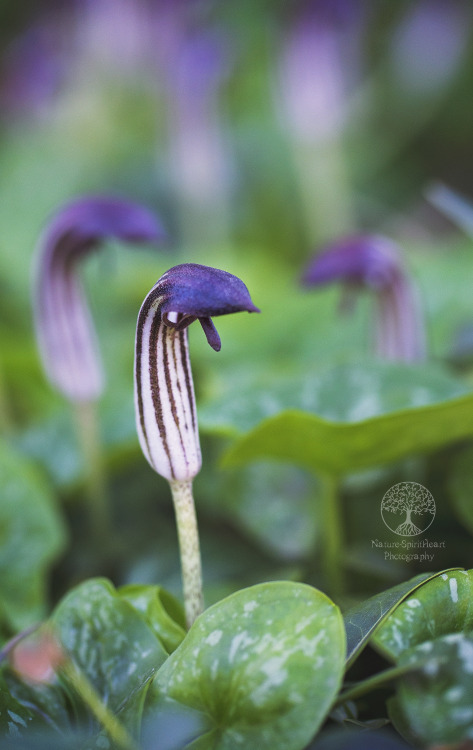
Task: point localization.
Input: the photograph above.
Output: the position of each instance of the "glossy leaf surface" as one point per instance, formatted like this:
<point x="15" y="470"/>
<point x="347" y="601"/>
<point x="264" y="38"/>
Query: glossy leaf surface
<point x="443" y="606"/>
<point x="436" y="700"/>
<point x="261" y="668"/>
<point x="163" y="613"/>
<point x="110" y="642"/>
<point x="362" y="620"/>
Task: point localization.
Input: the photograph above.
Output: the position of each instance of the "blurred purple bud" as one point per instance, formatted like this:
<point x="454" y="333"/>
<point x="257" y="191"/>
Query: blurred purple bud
<point x="164" y="393"/>
<point x="34" y="70"/>
<point x="368" y="260"/>
<point x="429" y="44"/>
<point x="374" y="261"/>
<point x="329" y="12"/>
<point x="202" y="64"/>
<point x="64" y="328"/>
<point x="199" y="155"/>
<point x="317" y="56"/>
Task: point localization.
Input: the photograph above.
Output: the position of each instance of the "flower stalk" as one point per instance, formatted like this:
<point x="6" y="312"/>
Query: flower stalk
<point x="189" y="548"/>
<point x="166" y="418"/>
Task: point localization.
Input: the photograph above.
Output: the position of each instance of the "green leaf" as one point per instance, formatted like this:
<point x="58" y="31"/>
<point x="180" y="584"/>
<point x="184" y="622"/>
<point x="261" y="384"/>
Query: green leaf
<point x="434" y="630"/>
<point x="347" y="393"/>
<point x="45" y="700"/>
<point x="348" y="419"/>
<point x="32" y="535"/>
<point x="362" y="620"/>
<point x="163" y="613"/>
<point x="15" y="719"/>
<point x="437" y="699"/>
<point x="109" y="640"/>
<point x="261" y="667"/>
<point x="442" y="606"/>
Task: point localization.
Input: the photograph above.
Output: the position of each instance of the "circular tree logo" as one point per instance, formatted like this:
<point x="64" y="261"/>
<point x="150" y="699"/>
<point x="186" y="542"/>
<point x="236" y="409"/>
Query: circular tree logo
<point x="409" y="499"/>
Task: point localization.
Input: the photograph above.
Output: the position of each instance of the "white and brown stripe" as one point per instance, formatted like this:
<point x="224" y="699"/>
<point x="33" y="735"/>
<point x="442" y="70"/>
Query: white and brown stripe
<point x="64" y="328"/>
<point x="164" y="393"/>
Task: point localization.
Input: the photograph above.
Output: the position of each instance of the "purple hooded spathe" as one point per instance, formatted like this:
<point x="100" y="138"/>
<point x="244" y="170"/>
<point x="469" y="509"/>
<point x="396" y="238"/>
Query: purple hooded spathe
<point x="374" y="262"/>
<point x="64" y="328"/>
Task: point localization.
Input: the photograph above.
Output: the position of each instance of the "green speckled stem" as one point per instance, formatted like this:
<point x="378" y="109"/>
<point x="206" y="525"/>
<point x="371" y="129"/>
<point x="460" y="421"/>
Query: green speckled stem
<point x="189" y="548"/>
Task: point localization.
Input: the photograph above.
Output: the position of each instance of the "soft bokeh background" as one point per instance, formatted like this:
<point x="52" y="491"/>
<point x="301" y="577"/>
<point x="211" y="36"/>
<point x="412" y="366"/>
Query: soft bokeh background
<point x="257" y="132"/>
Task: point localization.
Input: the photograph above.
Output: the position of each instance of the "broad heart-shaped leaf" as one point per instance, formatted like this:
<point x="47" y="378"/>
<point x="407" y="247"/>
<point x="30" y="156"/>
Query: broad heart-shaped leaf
<point x="110" y="642"/>
<point x="362" y="620"/>
<point x="261" y="669"/>
<point x="344" y="419"/>
<point x="32" y="535"/>
<point x="436" y="700"/>
<point x="442" y="606"/>
<point x="342" y="393"/>
<point x="164" y="614"/>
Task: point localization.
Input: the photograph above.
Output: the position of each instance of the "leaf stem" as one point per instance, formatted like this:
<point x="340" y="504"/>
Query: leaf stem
<point x="332" y="535"/>
<point x="96" y="485"/>
<point x="189" y="548"/>
<point x="377" y="681"/>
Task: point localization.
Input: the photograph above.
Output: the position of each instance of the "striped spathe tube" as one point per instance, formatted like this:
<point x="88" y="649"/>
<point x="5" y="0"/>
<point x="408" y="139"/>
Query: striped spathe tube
<point x="164" y="393"/>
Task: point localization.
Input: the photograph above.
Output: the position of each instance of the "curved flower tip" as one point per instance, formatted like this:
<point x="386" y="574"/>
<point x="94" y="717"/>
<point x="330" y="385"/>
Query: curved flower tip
<point x="164" y="393"/>
<point x="368" y="260"/>
<point x="374" y="261"/>
<point x="64" y="329"/>
<point x="93" y="219"/>
<point x="195" y="292"/>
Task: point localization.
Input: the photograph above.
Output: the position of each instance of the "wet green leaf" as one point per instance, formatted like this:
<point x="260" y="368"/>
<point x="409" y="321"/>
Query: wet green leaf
<point x="261" y="668"/>
<point x="109" y="640"/>
<point x="434" y="629"/>
<point x="32" y="535"/>
<point x="164" y="614"/>
<point x="16" y="720"/>
<point x="437" y="699"/>
<point x="344" y="419"/>
<point x="362" y="620"/>
<point x="348" y="393"/>
<point x="46" y="701"/>
<point x="442" y="606"/>
<point x="331" y="447"/>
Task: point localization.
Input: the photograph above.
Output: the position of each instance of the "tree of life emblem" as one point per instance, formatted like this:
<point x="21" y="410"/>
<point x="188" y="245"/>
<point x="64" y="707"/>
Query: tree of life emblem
<point x="414" y="502"/>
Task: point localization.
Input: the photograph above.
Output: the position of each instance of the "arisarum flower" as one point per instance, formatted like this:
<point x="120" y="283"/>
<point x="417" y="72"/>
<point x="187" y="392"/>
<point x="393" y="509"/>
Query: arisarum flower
<point x="64" y="328"/>
<point x="164" y="393"/>
<point x="374" y="262"/>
